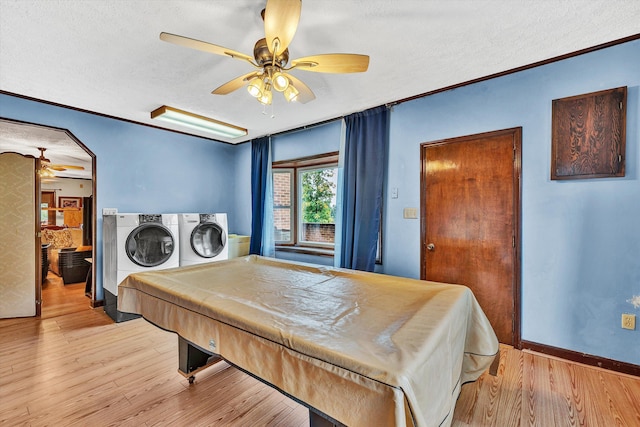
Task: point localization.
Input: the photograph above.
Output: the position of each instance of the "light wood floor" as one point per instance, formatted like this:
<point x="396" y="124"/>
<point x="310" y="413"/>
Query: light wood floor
<point x="80" y="368"/>
<point x="59" y="299"/>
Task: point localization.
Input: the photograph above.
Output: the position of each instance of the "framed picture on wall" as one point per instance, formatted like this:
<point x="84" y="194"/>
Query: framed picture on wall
<point x="69" y="202"/>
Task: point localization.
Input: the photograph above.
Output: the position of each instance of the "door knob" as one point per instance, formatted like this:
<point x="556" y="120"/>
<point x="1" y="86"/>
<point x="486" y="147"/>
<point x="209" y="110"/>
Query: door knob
<point x="431" y="247"/>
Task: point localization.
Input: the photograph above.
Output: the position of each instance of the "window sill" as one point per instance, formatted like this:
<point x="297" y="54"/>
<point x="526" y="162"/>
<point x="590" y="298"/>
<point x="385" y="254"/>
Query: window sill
<point x="306" y="250"/>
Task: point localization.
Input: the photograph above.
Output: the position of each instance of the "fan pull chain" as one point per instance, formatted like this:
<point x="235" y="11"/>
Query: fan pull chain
<point x="264" y="111"/>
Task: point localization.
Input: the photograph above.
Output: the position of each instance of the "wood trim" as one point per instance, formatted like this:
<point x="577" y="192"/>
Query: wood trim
<point x="522" y="68"/>
<point x="37" y="235"/>
<point x="306" y="250"/>
<point x="389" y="104"/>
<point x="294" y="165"/>
<point x="585" y="359"/>
<point x="315" y="160"/>
<point x="94" y="302"/>
<point x="82" y="110"/>
<point x="517" y="206"/>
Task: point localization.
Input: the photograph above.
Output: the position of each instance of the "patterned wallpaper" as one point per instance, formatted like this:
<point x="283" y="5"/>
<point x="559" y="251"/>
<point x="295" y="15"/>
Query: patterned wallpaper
<point x="17" y="242"/>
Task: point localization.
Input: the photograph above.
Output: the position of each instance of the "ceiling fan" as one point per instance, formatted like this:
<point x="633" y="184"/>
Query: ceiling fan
<point x="47" y="168"/>
<point x="270" y="57"/>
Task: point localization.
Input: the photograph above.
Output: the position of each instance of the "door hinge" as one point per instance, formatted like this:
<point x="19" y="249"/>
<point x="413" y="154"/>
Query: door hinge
<point x="621" y="105"/>
<point x="513" y="241"/>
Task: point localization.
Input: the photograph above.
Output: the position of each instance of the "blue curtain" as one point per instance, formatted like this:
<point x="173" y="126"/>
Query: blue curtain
<point x="268" y="237"/>
<point x="362" y="171"/>
<point x="260" y="167"/>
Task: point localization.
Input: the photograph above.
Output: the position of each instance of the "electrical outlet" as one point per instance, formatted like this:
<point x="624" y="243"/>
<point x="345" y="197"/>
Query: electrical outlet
<point x="109" y="211"/>
<point x="628" y="321"/>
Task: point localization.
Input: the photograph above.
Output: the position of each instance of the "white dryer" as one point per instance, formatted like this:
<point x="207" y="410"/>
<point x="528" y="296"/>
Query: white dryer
<point x="203" y="238"/>
<point x="134" y="243"/>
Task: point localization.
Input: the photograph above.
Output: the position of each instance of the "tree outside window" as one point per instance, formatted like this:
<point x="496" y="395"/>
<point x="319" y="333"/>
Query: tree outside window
<point x="304" y="195"/>
<point x="318" y="205"/>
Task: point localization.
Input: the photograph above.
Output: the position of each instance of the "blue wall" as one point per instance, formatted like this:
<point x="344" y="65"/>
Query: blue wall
<point x="316" y="140"/>
<point x="580" y="239"/>
<point x="139" y="168"/>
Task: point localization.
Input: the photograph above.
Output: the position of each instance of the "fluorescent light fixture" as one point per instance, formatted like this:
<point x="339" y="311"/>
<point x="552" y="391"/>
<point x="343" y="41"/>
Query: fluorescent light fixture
<point x="197" y="122"/>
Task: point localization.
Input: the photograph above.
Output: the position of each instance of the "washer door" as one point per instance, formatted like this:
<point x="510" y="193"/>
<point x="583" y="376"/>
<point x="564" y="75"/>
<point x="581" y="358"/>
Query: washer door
<point x="208" y="239"/>
<point x="150" y="245"/>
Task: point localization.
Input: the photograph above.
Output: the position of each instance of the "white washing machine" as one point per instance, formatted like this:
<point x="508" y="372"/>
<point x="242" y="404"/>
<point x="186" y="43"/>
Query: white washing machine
<point x="203" y="238"/>
<point x="132" y="243"/>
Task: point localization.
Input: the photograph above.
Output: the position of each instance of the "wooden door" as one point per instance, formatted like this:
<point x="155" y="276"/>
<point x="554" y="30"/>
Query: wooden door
<point x="19" y="260"/>
<point x="470" y="221"/>
<point x="49" y="197"/>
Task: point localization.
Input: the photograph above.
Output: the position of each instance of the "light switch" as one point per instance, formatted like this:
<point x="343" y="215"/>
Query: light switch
<point x="410" y="213"/>
<point x="394" y="193"/>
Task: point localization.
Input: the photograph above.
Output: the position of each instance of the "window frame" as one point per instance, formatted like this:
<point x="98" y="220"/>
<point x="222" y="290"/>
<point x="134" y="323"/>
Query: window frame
<point x="291" y="206"/>
<point x="299" y="223"/>
<point x="328" y="160"/>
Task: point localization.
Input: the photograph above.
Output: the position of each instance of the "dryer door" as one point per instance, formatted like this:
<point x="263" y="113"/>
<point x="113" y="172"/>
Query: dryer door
<point x="208" y="239"/>
<point x="150" y="245"/>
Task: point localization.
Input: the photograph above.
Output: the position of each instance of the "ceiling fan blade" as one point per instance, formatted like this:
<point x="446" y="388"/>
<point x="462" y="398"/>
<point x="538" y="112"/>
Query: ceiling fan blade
<point x="204" y="46"/>
<point x="305" y="94"/>
<point x="333" y="63"/>
<point x="234" y="84"/>
<point x="281" y="19"/>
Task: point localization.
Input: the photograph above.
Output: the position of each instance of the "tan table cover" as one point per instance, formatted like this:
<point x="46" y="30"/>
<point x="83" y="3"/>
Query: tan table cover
<point x="367" y="349"/>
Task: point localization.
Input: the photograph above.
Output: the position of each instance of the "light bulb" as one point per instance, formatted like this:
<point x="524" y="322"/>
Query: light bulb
<point x="266" y="95"/>
<point x="256" y="87"/>
<point x="291" y="93"/>
<point x="280" y="81"/>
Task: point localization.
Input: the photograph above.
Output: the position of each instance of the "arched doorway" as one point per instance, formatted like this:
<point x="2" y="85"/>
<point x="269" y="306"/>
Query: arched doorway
<point x="66" y="177"/>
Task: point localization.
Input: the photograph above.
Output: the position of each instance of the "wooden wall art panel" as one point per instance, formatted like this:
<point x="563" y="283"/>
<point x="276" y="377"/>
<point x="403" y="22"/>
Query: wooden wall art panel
<point x="588" y="135"/>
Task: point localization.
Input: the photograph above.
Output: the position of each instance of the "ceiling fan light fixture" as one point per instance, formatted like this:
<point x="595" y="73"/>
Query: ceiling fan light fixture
<point x="256" y="87"/>
<point x="280" y="81"/>
<point x="291" y="93"/>
<point x="267" y="96"/>
<point x="45" y="172"/>
<point x="197" y="122"/>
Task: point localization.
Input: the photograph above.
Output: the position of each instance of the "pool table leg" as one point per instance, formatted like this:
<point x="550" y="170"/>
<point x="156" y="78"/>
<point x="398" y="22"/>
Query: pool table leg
<point x="317" y="420"/>
<point x="192" y="359"/>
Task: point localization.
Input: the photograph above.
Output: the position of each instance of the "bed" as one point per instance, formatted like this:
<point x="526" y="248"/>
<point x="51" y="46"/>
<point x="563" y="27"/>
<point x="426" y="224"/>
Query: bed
<point x="360" y="349"/>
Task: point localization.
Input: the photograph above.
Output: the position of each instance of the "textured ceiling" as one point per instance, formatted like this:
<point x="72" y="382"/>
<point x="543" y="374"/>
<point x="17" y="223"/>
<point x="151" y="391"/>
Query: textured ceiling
<point x="105" y="56"/>
<point x="61" y="149"/>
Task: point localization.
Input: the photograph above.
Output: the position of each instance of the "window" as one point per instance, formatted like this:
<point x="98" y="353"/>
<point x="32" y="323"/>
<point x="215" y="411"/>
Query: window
<point x="304" y="202"/>
<point x="283" y="211"/>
